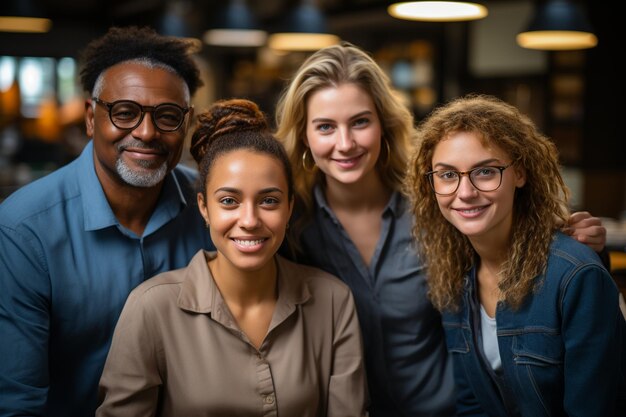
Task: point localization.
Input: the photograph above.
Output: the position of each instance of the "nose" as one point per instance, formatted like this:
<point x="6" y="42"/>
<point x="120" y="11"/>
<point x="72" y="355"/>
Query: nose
<point x="345" y="141"/>
<point x="146" y="130"/>
<point x="466" y="189"/>
<point x="249" y="218"/>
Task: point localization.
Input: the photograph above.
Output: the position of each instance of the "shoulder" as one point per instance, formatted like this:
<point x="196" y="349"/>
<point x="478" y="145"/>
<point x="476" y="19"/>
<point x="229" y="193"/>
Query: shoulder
<point x="572" y="264"/>
<point x="161" y="288"/>
<point x="161" y="281"/>
<point x="42" y="195"/>
<point x="568" y="253"/>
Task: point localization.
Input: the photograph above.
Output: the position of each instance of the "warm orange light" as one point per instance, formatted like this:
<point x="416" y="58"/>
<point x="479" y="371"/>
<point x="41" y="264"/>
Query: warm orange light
<point x="9" y="104"/>
<point x="24" y="24"/>
<point x="301" y="41"/>
<point x="48" y="126"/>
<point x="556" y="40"/>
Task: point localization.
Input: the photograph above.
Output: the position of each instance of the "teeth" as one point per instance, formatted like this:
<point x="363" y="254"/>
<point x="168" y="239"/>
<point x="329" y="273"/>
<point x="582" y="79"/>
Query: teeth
<point x="248" y="242"/>
<point x="476" y="210"/>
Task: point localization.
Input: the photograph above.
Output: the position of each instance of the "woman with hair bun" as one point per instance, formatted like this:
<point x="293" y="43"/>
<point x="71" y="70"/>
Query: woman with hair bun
<point x="240" y="331"/>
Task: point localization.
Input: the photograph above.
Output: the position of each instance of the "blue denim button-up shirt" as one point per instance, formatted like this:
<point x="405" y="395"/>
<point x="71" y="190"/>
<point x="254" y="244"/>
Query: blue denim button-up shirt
<point x="66" y="268"/>
<point x="405" y="356"/>
<point x="563" y="352"/>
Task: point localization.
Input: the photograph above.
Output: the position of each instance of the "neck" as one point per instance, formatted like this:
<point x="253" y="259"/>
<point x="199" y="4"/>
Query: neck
<point x="492" y="254"/>
<point x="367" y="194"/>
<point x="244" y="288"/>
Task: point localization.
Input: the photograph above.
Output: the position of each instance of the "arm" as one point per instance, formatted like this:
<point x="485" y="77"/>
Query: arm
<point x="347" y="391"/>
<point x="24" y="326"/>
<point x="592" y="327"/>
<point x="130" y="380"/>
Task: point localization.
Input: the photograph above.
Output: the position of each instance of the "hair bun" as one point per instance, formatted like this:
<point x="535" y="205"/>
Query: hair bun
<point x="222" y="118"/>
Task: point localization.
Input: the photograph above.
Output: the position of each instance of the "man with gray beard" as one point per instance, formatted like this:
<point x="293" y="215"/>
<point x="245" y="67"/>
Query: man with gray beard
<point x="76" y="242"/>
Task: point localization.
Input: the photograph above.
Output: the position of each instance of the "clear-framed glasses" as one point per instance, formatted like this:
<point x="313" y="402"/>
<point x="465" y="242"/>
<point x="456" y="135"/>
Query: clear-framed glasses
<point x="127" y="114"/>
<point x="447" y="181"/>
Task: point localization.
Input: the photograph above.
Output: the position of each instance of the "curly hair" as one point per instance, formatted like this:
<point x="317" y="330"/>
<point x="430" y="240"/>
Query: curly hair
<point x="230" y="125"/>
<point x="540" y="206"/>
<point x="331" y="67"/>
<point x="143" y="44"/>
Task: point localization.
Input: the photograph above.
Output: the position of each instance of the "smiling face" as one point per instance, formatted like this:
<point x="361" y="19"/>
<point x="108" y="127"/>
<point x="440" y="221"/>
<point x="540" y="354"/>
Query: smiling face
<point x="247" y="208"/>
<point x="477" y="214"/>
<point x="142" y="156"/>
<point x="343" y="132"/>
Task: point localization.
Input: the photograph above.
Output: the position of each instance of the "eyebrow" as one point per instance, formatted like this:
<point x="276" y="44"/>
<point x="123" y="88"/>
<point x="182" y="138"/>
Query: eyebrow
<point x="238" y="192"/>
<point x="486" y="162"/>
<point x="356" y="116"/>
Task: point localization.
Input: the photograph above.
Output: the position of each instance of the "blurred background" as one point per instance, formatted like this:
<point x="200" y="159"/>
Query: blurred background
<point x="576" y="95"/>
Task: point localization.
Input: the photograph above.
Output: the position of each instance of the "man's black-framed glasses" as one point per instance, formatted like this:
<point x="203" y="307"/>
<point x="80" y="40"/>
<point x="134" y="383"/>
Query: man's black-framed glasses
<point x="447" y="181"/>
<point x="127" y="114"/>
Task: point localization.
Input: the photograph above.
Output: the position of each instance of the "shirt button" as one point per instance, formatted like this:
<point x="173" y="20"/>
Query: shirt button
<point x="269" y="399"/>
<point x="258" y="355"/>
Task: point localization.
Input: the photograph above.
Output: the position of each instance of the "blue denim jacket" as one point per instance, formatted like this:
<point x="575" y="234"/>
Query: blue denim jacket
<point x="563" y="352"/>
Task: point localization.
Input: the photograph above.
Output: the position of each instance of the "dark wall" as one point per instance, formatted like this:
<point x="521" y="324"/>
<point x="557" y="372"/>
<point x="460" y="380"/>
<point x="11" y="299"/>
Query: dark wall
<point x="605" y="145"/>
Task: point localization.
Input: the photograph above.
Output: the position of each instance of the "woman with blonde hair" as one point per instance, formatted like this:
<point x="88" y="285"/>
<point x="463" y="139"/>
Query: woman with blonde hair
<point x="348" y="135"/>
<point x="531" y="316"/>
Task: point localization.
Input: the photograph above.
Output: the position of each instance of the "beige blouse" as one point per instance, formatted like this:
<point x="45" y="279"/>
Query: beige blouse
<point x="177" y="350"/>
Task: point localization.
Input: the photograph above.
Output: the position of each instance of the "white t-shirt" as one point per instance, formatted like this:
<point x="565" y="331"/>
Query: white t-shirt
<point x="490" y="339"/>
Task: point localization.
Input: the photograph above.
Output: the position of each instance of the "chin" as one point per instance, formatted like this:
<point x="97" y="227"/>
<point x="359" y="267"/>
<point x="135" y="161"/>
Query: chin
<point x="469" y="230"/>
<point x="251" y="265"/>
<point x="348" y="177"/>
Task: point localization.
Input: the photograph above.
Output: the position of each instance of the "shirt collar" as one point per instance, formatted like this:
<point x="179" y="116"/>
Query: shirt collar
<point x="200" y="294"/>
<point x="396" y="204"/>
<point x="96" y="208"/>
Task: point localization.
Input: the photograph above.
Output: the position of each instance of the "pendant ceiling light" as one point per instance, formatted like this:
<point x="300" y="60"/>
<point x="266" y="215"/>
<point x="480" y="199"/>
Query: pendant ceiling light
<point x="305" y="29"/>
<point x="558" y="25"/>
<point x="236" y="26"/>
<point x="438" y="11"/>
<point x="23" y="16"/>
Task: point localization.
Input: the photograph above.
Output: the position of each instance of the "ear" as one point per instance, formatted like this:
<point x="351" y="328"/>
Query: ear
<point x="520" y="176"/>
<point x="204" y="212"/>
<point x="89" y="115"/>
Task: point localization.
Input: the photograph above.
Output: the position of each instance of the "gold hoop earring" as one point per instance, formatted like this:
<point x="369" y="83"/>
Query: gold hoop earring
<point x="387" y="153"/>
<point x="304" y="159"/>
